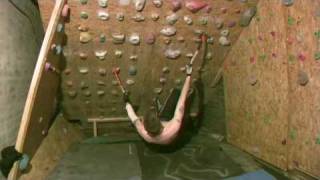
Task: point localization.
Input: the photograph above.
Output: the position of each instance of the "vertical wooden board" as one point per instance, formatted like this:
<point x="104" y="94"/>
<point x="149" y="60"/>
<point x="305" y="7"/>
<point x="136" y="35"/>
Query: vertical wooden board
<point x="151" y="58"/>
<point x="303" y="24"/>
<point x="256" y="87"/>
<point x="42" y="99"/>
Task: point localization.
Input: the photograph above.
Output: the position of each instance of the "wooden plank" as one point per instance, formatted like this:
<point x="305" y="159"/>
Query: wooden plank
<point x="303" y="24"/>
<point x="256" y="87"/>
<point x="42" y="98"/>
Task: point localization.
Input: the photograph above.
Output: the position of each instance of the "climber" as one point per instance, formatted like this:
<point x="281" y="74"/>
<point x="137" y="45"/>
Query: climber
<point x="151" y="127"/>
<point x="9" y="156"/>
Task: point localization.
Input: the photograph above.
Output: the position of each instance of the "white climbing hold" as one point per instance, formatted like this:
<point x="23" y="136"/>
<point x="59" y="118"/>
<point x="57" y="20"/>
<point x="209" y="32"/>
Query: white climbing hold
<point x="172" y="54"/>
<point x="157" y="3"/>
<point x="120" y="16"/>
<point x="118" y="38"/>
<point x="188" y="20"/>
<point x="224" y="41"/>
<point x="100" y="54"/>
<point x="138" y="17"/>
<point x="134" y="39"/>
<point x="83" y="70"/>
<point x="118" y="53"/>
<point x="130" y="82"/>
<point x="224" y="33"/>
<point x="172" y="19"/>
<point x="103" y="15"/>
<point x="155" y="16"/>
<point x="85" y="37"/>
<point x="168" y="31"/>
<point x="139" y="4"/>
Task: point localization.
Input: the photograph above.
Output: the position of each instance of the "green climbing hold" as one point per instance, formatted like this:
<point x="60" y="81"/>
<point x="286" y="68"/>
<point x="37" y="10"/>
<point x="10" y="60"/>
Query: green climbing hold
<point x="318" y="140"/>
<point x="291" y="21"/>
<point x="102" y="38"/>
<point x="291" y="59"/>
<point x="293" y="134"/>
<point x="317" y="56"/>
<point x="263" y="57"/>
<point x="317" y="34"/>
<point x="84" y="15"/>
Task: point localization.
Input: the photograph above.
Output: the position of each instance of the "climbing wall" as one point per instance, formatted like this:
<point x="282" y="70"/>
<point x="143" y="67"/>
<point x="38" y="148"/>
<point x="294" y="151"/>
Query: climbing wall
<point x="256" y="86"/>
<point x="303" y="42"/>
<point x="271" y="86"/>
<point x="142" y="43"/>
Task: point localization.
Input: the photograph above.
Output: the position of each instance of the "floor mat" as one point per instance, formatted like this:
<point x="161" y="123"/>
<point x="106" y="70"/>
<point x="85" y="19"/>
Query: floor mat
<point x="99" y="162"/>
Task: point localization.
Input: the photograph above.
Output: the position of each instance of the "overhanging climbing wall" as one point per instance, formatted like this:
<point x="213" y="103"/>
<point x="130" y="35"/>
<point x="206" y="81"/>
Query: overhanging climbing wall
<point x="271" y="85"/>
<point x="102" y="37"/>
<point x="256" y="86"/>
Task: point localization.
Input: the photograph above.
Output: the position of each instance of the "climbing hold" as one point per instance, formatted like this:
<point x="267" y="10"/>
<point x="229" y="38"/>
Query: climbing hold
<point x="218" y="23"/>
<point x="247" y="16"/>
<point x="178" y="81"/>
<point x="100" y="93"/>
<point x="132" y="71"/>
<point x="183" y="69"/>
<point x="84" y="15"/>
<point x="130" y="82"/>
<point x="69" y="83"/>
<point x="167" y="40"/>
<point x="133" y="57"/>
<point x="317" y="56"/>
<point x="118" y="53"/>
<point x="138" y="17"/>
<point x="114" y="92"/>
<point x="223" y="10"/>
<point x="102" y="71"/>
<point x="208" y="56"/>
<point x="224" y="41"/>
<point x="165" y="70"/>
<point x="100" y="54"/>
<point x="188" y="20"/>
<point x="172" y="19"/>
<point x="67" y="71"/>
<point x="253" y="80"/>
<point x="83" y="70"/>
<point x="120" y="16"/>
<point x="103" y="3"/>
<point x="83" y="2"/>
<point x="189" y="55"/>
<point x="176" y="5"/>
<point x="72" y="94"/>
<point x="157" y="3"/>
<point x="134" y="39"/>
<point x="157" y="90"/>
<point x="195" y="5"/>
<point x="168" y="31"/>
<point x="302" y="57"/>
<point x="204" y="20"/>
<point x="172" y="54"/>
<point x="139" y="4"/>
<point x="85" y="37"/>
<point x="83" y="85"/>
<point x="60" y="28"/>
<point x="210" y="40"/>
<point x="180" y="39"/>
<point x="83" y="55"/>
<point x="198" y="31"/>
<point x="287" y="2"/>
<point x="103" y="15"/>
<point x="87" y="93"/>
<point x="114" y="83"/>
<point x="303" y="78"/>
<point x="102" y="38"/>
<point x="150" y="38"/>
<point x="162" y="80"/>
<point x="232" y="24"/>
<point x="224" y="33"/>
<point x="101" y="83"/>
<point x="118" y="38"/>
<point x="155" y="16"/>
<point x="83" y="28"/>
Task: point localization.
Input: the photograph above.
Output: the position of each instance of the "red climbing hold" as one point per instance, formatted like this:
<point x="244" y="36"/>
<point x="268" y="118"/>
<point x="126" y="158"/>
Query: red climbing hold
<point x="195" y="5"/>
<point x="252" y="60"/>
<point x="176" y="5"/>
<point x="302" y="57"/>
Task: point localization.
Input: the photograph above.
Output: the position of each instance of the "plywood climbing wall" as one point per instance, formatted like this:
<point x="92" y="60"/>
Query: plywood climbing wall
<point x="303" y="44"/>
<point x="89" y="90"/>
<point x="256" y="87"/>
<point x="271" y="86"/>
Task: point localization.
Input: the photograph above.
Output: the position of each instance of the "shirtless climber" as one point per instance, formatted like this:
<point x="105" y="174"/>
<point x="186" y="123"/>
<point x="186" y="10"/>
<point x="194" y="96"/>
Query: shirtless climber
<point x="151" y="127"/>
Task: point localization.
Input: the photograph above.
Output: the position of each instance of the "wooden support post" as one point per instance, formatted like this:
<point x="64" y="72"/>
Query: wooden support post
<point x="95" y="130"/>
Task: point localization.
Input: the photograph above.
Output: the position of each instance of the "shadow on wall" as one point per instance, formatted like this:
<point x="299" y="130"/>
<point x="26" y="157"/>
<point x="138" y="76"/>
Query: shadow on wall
<point x="21" y="34"/>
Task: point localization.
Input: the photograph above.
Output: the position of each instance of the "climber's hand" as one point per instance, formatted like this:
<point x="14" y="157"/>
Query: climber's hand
<point x="126" y="98"/>
<point x="188" y="70"/>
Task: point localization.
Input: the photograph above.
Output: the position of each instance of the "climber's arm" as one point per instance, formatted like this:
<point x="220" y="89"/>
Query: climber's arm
<point x="180" y="108"/>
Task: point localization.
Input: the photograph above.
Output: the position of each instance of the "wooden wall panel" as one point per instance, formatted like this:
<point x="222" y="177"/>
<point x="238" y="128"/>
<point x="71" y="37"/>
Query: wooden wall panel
<point x="42" y="100"/>
<point x="256" y="87"/>
<point x="303" y="22"/>
<point x="151" y="58"/>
